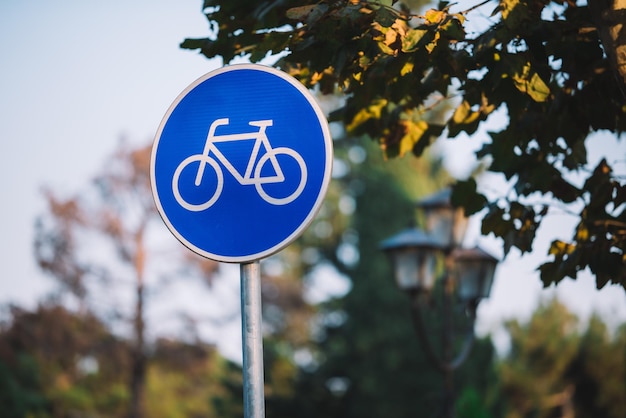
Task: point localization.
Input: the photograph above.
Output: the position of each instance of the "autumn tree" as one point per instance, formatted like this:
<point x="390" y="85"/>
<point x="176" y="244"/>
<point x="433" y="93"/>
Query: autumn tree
<point x="58" y="363"/>
<point x="55" y="363"/>
<point x="552" y="369"/>
<point x="554" y="69"/>
<point x="186" y="379"/>
<point x="107" y="240"/>
<point x="541" y="351"/>
<point x="598" y="371"/>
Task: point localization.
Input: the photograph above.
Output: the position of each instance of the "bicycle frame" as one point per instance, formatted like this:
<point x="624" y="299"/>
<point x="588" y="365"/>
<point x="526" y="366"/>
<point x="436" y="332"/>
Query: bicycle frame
<point x="260" y="139"/>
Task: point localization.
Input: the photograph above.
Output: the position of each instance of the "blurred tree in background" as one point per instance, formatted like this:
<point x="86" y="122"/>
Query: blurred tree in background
<point x="65" y="364"/>
<point x="532" y="376"/>
<point x="55" y="363"/>
<point x="350" y="355"/>
<point x="101" y="243"/>
<point x="598" y="371"/>
<point x="184" y="379"/>
<point x="368" y="361"/>
<point x="554" y="370"/>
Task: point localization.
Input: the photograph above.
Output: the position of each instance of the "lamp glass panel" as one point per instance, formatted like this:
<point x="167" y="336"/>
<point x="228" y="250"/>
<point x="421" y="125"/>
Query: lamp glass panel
<point x="459" y="227"/>
<point x="428" y="266"/>
<point x="414" y="268"/>
<point x="439" y="221"/>
<point x="406" y="269"/>
<point x="490" y="272"/>
<point x="446" y="225"/>
<point x="474" y="278"/>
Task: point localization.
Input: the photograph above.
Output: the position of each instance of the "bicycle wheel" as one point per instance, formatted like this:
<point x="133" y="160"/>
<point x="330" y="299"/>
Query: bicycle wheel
<point x="260" y="184"/>
<point x="219" y="184"/>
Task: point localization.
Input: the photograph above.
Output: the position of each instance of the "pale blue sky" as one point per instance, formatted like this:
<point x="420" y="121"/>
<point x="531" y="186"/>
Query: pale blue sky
<point x="77" y="75"/>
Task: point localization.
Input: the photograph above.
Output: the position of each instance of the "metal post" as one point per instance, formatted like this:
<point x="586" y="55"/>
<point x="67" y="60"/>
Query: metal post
<point x="447" y="337"/>
<point x="252" y="339"/>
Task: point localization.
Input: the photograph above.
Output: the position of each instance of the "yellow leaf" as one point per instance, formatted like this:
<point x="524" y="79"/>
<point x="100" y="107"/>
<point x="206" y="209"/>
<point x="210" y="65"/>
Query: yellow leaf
<point x="464" y="115"/>
<point x="507" y="6"/>
<point x="385" y="38"/>
<point x="406" y="68"/>
<point x="364" y="61"/>
<point x="431" y="46"/>
<point x="435" y="16"/>
<point x="373" y="111"/>
<point x="485" y="107"/>
<point x="582" y="233"/>
<point x="414" y="131"/>
<point x="530" y="83"/>
<point x="537" y="89"/>
<point x="560" y="248"/>
<point x="390" y="36"/>
<point x="400" y="27"/>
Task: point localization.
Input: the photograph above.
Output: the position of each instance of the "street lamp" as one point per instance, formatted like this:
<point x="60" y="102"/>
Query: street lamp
<point x="420" y="258"/>
<point x="414" y="256"/>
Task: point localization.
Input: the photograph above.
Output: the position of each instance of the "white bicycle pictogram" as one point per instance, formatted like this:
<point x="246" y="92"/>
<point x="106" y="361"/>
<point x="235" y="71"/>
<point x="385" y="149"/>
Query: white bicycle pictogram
<point x="253" y="173"/>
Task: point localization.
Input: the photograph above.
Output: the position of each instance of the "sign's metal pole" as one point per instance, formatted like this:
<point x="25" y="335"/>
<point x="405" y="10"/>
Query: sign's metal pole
<point x="252" y="338"/>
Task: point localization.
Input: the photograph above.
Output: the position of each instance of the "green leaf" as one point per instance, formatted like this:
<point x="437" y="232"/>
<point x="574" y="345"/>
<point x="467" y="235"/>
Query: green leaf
<point x="502" y="150"/>
<point x="514" y="13"/>
<point x="453" y="29"/>
<point x="563" y="190"/>
<point x="553" y="272"/>
<point x="412" y="38"/>
<point x="493" y="222"/>
<point x="430" y="47"/>
<point x="465" y="195"/>
<point x="517" y="227"/>
<point x="433" y="131"/>
<point x="301" y="13"/>
<point x="195" y="43"/>
<point x="385" y="17"/>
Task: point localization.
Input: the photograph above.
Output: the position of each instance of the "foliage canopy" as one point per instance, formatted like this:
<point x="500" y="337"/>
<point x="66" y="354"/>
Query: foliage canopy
<point x="553" y="67"/>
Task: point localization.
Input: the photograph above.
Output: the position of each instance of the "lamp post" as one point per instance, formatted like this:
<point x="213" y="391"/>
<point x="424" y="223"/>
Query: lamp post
<point x="420" y="259"/>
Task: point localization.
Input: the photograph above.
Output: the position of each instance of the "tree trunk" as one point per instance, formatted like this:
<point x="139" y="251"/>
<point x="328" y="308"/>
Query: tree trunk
<point x="138" y="367"/>
<point x="138" y="371"/>
<point x="610" y="19"/>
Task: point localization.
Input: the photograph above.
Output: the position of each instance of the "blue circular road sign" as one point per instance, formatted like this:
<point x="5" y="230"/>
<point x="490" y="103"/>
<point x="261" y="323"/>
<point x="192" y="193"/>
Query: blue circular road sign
<point x="241" y="163"/>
